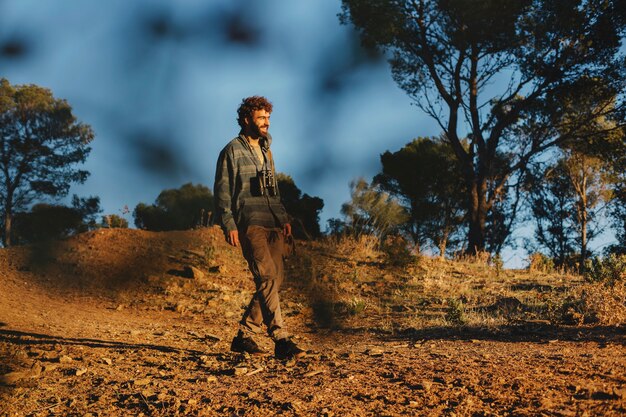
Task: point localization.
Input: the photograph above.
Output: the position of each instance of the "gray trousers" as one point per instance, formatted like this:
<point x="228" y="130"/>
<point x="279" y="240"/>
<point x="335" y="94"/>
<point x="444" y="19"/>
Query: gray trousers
<point x="263" y="249"/>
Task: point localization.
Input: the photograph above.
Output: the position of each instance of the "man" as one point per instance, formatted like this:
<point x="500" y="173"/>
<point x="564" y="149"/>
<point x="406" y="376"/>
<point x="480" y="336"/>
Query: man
<point x="252" y="216"/>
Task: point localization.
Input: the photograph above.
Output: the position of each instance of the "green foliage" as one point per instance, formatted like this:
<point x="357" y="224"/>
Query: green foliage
<point x="425" y="175"/>
<point x="372" y="211"/>
<point x="114" y="221"/>
<point x="498" y="264"/>
<point x="47" y="221"/>
<point x="455" y="313"/>
<point x="609" y="270"/>
<point x="562" y="59"/>
<point x="303" y="210"/>
<point x="176" y="209"/>
<point x="397" y="251"/>
<point x="41" y="143"/>
<point x="567" y="199"/>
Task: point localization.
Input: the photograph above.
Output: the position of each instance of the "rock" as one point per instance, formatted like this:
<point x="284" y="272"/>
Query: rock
<point x="107" y="361"/>
<point x="620" y="392"/>
<point x="208" y="379"/>
<point x="12" y="377"/>
<point x="65" y="359"/>
<point x="240" y="370"/>
<point x="375" y="352"/>
<point x="425" y="385"/>
<point x="192" y="272"/>
<point x="142" y="381"/>
<point x="49" y="367"/>
<point x="148" y="393"/>
<point x="326" y="413"/>
<point x="81" y="371"/>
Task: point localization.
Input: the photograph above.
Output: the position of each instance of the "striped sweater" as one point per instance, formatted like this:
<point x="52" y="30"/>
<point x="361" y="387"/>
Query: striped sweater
<point x="238" y="203"/>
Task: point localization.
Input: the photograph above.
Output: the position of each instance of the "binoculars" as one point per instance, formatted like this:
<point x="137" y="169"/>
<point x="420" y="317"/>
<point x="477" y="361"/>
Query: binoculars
<point x="267" y="183"/>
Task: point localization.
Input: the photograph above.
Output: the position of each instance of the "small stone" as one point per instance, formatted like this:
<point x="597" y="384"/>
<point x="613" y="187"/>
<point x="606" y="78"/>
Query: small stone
<point x="240" y="370"/>
<point x="141" y="382"/>
<point x="49" y="367"/>
<point x="208" y="379"/>
<point x="620" y="392"/>
<point x="192" y="401"/>
<point x="81" y="371"/>
<point x="147" y="393"/>
<point x="374" y="352"/>
<point x="65" y="359"/>
<point x="413" y="404"/>
<point x="107" y="361"/>
<point x="192" y="272"/>
<point x="425" y="385"/>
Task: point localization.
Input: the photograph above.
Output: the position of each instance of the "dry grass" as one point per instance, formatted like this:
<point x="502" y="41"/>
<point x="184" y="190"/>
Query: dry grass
<point x="350" y="284"/>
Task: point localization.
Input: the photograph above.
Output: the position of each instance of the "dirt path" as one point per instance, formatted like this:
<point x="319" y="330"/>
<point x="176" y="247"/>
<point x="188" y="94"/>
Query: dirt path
<point x="89" y="354"/>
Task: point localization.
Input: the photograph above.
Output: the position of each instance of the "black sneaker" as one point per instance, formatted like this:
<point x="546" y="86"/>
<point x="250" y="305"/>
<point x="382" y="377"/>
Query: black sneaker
<point x="287" y="349"/>
<point x="245" y="344"/>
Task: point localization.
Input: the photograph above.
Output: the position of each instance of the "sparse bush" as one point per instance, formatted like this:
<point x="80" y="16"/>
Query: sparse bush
<point x="114" y="221"/>
<point x="608" y="270"/>
<point x="497" y="263"/>
<point x="455" y="314"/>
<point x="594" y="303"/>
<point x="372" y="211"/>
<point x="397" y="251"/>
<point x="538" y="262"/>
<point x="355" y="247"/>
<point x="209" y="255"/>
<point x="356" y="306"/>
<point x="479" y="258"/>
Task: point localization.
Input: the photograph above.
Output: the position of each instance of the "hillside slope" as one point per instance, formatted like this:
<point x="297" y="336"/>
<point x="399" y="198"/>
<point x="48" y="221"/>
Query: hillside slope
<point x="121" y="322"/>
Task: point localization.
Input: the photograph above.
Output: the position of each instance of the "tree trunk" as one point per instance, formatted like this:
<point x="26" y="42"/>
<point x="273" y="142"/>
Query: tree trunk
<point x="583" y="234"/>
<point x="6" y="238"/>
<point x="443" y="243"/>
<point x="477" y="217"/>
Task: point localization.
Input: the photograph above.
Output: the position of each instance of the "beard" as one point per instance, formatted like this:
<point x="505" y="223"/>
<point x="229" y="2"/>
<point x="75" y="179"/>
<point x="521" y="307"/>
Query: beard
<point x="256" y="130"/>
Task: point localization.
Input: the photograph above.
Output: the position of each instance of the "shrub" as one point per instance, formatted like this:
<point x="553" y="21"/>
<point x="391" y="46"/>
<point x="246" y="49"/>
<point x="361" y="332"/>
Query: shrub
<point x="608" y="270"/>
<point x="455" y="313"/>
<point x="594" y="303"/>
<point x="397" y="251"/>
<point x="538" y="262"/>
<point x="114" y="221"/>
<point x="356" y="248"/>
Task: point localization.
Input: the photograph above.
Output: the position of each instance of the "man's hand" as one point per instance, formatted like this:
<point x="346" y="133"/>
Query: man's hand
<point x="233" y="238"/>
<point x="287" y="230"/>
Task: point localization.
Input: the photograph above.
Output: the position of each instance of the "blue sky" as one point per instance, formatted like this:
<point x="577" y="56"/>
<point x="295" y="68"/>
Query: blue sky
<point x="160" y="81"/>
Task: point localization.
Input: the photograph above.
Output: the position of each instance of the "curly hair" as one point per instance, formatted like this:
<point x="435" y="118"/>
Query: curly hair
<point x="250" y="104"/>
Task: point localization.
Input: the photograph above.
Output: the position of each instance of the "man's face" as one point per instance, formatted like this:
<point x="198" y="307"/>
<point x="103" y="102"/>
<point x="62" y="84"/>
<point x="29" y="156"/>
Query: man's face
<point x="260" y="123"/>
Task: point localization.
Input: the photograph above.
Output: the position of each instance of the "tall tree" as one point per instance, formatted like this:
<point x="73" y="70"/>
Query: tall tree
<point x="450" y="56"/>
<point x="176" y="209"/>
<point x="52" y="221"/>
<point x="303" y="210"/>
<point x="567" y="201"/>
<point x="41" y="144"/>
<point x="425" y="176"/>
